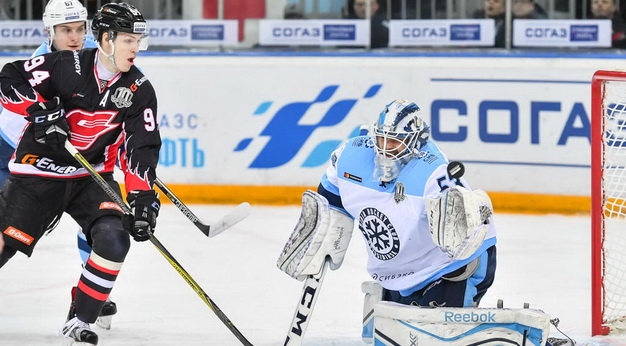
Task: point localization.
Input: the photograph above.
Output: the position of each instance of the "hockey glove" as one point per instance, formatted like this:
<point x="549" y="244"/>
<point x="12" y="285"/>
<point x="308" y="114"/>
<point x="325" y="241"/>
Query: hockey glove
<point x="49" y="123"/>
<point x="145" y="206"/>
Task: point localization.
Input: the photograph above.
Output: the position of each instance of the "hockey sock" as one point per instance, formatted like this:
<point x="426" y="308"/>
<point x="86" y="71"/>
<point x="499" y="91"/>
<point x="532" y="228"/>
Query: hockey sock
<point x="94" y="286"/>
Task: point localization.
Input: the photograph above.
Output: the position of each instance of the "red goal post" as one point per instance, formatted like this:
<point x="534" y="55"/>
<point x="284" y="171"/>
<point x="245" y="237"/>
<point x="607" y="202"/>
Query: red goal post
<point x="608" y="202"/>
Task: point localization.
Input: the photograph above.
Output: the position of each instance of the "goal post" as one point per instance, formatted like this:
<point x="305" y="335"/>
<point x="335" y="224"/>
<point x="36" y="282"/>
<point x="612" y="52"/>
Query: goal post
<point x="608" y="202"/>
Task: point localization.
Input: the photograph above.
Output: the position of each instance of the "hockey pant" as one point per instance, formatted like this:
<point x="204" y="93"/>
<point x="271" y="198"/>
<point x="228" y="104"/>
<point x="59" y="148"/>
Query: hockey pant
<point x="450" y="291"/>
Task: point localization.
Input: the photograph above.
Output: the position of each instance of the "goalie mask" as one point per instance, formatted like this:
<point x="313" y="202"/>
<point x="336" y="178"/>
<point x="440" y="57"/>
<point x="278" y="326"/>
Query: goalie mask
<point x="398" y="135"/>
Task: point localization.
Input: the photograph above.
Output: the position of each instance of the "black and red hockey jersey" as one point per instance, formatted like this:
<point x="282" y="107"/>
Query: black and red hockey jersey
<point x="101" y="118"/>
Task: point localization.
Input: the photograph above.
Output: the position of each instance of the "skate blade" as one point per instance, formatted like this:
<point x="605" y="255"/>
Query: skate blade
<point x="71" y="342"/>
<point x="104" y="322"/>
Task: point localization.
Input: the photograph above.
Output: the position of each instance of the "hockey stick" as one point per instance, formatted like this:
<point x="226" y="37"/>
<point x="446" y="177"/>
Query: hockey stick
<point x="179" y="268"/>
<point x="234" y="216"/>
<point x="302" y="316"/>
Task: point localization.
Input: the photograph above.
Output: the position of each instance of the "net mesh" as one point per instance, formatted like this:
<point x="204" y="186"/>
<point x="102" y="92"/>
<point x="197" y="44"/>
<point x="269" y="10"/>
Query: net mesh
<point x="614" y="205"/>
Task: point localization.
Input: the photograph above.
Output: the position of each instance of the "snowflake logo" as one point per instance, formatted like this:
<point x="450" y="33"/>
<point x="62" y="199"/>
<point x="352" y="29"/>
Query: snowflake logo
<point x="379" y="233"/>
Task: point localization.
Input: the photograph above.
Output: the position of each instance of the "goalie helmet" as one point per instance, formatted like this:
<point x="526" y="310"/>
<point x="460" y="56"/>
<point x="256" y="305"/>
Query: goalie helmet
<point x="61" y="12"/>
<point x="398" y="135"/>
<point x="120" y="17"/>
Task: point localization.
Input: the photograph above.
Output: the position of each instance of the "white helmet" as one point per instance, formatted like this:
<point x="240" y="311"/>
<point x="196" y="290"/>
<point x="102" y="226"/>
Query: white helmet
<point x="63" y="11"/>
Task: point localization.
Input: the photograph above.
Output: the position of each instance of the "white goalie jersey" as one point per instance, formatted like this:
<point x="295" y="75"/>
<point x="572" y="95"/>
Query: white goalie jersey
<point x="392" y="217"/>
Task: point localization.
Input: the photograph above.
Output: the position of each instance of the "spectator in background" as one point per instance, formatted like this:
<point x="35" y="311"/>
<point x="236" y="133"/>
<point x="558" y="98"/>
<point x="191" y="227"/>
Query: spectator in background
<point x="494" y="9"/>
<point x="607" y="9"/>
<point x="528" y="9"/>
<point x="293" y="11"/>
<point x="379" y="29"/>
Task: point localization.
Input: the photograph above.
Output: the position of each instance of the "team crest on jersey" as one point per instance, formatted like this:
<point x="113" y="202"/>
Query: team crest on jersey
<point x="87" y="127"/>
<point x="380" y="234"/>
<point x="122" y="97"/>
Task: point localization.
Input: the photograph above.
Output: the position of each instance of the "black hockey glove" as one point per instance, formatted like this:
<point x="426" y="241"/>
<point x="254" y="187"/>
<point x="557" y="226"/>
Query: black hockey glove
<point x="145" y="206"/>
<point x="49" y="123"/>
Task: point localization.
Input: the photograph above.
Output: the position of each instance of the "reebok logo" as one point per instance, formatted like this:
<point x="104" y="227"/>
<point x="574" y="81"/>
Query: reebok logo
<point x="18" y="235"/>
<point x="471" y="317"/>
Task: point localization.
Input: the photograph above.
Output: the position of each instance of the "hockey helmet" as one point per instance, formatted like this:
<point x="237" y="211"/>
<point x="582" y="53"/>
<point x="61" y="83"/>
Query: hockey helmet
<point x="61" y="12"/>
<point x="120" y="17"/>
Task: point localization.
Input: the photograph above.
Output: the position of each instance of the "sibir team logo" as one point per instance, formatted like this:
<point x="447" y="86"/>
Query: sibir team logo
<point x="287" y="134"/>
<point x="380" y="234"/>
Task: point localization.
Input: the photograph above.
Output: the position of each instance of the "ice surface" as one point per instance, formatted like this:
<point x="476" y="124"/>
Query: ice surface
<point x="542" y="260"/>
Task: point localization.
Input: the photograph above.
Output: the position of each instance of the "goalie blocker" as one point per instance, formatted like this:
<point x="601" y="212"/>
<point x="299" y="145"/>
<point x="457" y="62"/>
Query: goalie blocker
<point x="321" y="232"/>
<point x="321" y="236"/>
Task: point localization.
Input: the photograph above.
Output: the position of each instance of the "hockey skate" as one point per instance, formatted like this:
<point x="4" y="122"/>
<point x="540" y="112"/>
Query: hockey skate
<point x="106" y="314"/>
<point x="104" y="318"/>
<point x="78" y="332"/>
<point x="552" y="341"/>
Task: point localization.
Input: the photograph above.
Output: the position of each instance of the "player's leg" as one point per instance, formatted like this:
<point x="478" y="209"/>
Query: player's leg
<point x="109" y="309"/>
<point x="27" y="206"/>
<point x="461" y="288"/>
<point x="6" y="151"/>
<point x="7" y="253"/>
<point x="101" y="218"/>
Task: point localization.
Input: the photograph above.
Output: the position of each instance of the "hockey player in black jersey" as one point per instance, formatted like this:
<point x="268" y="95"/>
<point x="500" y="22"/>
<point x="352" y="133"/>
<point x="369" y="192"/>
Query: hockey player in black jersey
<point x="99" y="101"/>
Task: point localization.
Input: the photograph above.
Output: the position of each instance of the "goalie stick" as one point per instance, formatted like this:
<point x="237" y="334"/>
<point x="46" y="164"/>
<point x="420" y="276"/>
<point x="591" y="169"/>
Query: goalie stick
<point x="234" y="216"/>
<point x="168" y="256"/>
<point x="304" y="310"/>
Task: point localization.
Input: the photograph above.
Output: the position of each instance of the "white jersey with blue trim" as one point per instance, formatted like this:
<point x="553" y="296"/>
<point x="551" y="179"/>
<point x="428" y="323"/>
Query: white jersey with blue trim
<point x="392" y="217"/>
<point x="12" y="125"/>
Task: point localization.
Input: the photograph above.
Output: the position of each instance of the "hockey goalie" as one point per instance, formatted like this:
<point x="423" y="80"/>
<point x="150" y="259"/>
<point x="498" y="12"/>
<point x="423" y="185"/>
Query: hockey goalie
<point x="431" y="241"/>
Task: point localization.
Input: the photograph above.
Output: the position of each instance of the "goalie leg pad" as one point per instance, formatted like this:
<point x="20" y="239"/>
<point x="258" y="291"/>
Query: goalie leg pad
<point x="373" y="294"/>
<point x="397" y="324"/>
<point x="320" y="232"/>
<point x="458" y="220"/>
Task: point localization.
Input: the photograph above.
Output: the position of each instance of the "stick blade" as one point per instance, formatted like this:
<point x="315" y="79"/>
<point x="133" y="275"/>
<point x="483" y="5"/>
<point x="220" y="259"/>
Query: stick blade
<point x="236" y="215"/>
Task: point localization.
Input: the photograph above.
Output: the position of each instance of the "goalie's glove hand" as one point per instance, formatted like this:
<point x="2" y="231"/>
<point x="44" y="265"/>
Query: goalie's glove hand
<point x="49" y="123"/>
<point x="145" y="206"/>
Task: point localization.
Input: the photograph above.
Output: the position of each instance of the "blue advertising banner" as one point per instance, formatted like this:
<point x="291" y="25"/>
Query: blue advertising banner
<point x="189" y="33"/>
<point x="454" y="32"/>
<point x="562" y="33"/>
<point x="308" y="32"/>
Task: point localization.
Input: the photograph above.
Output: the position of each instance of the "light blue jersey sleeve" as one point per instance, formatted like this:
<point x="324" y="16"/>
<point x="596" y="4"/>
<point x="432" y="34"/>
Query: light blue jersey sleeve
<point x="90" y="42"/>
<point x="45" y="47"/>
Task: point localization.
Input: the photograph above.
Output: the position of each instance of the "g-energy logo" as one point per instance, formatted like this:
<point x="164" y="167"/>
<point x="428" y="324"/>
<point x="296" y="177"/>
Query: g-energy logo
<point x="46" y="164"/>
<point x="77" y="63"/>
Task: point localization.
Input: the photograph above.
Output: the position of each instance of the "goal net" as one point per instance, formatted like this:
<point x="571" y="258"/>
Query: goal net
<point x="608" y="202"/>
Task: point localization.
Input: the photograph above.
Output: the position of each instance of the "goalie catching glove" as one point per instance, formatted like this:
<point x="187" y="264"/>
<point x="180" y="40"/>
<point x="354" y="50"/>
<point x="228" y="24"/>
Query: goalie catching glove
<point x="145" y="206"/>
<point x="49" y="123"/>
<point x="458" y="220"/>
<point x="321" y="232"/>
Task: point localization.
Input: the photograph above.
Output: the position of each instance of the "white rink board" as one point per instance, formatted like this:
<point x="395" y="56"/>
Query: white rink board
<point x="519" y="124"/>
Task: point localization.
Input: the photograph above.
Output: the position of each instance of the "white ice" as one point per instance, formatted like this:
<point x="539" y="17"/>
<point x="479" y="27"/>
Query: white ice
<point x="542" y="260"/>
